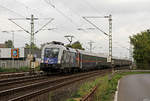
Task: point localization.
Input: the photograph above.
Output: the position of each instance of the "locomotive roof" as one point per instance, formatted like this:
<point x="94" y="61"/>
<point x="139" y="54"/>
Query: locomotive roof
<point x="81" y="51"/>
<point x="74" y="50"/>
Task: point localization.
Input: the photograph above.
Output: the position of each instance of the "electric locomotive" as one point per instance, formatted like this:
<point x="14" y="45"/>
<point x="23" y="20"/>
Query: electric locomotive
<point x="57" y="57"/>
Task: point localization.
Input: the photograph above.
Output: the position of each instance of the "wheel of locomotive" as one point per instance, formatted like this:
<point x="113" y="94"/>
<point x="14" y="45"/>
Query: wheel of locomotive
<point x="65" y="71"/>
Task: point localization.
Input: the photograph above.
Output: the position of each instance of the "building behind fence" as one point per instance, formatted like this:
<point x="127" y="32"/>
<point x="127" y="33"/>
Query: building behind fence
<point x="18" y="57"/>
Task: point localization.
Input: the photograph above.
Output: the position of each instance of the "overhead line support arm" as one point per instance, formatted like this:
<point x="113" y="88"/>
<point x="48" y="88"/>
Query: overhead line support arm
<point x="44" y="25"/>
<point x="19" y="26"/>
<point x="95" y="26"/>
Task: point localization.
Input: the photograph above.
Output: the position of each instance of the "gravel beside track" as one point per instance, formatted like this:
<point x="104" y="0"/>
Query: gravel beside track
<point x="11" y="75"/>
<point x="12" y="83"/>
<point x="4" y="75"/>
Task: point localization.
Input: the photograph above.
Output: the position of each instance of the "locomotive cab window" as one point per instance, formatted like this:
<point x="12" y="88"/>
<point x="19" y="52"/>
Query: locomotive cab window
<point x="51" y="52"/>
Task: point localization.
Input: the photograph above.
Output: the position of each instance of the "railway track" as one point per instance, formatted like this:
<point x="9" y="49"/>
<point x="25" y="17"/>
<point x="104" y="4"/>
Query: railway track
<point x="16" y="74"/>
<point x="6" y="80"/>
<point x="28" y="91"/>
<point x="12" y="75"/>
<point x="20" y="81"/>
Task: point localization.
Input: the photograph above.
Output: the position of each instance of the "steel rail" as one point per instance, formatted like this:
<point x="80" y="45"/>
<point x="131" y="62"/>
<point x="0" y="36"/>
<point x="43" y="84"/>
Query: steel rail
<point x="51" y="88"/>
<point x="20" y="80"/>
<point x="15" y="94"/>
<point x="5" y="92"/>
<point x="17" y="78"/>
<point x="10" y="75"/>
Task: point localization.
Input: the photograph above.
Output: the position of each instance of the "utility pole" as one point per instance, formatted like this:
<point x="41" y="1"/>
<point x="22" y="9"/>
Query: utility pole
<point x="69" y="38"/>
<point x="13" y="40"/>
<point x="13" y="45"/>
<point x="91" y="45"/>
<point x="13" y="48"/>
<point x="110" y="38"/>
<point x="109" y="59"/>
<point x="13" y="35"/>
<point x="32" y="32"/>
<point x="110" y="42"/>
<point x="12" y="32"/>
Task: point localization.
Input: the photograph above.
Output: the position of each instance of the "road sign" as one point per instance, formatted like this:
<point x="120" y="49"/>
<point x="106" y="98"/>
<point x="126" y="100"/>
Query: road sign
<point x="113" y="61"/>
<point x="108" y="59"/>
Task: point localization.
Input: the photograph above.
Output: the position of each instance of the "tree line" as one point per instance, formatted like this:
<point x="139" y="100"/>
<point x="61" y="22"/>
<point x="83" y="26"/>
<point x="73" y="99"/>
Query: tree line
<point x="141" y="49"/>
<point x="75" y="45"/>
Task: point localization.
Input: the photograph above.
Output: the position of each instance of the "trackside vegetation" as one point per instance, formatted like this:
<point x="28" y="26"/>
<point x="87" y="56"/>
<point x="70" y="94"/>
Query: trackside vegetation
<point x="106" y="89"/>
<point x="76" y="45"/>
<point x="21" y="69"/>
<point x="141" y="49"/>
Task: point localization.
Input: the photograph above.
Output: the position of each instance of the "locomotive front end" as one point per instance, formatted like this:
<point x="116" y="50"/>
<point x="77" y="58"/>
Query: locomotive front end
<point x="51" y="55"/>
<point x="50" y="59"/>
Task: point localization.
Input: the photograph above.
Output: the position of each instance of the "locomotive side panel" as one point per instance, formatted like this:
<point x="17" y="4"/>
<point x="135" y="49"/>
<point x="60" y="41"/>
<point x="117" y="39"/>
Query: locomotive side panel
<point x="88" y="62"/>
<point x="69" y="59"/>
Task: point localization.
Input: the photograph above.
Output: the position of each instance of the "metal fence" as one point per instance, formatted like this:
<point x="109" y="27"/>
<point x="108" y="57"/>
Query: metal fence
<point x="90" y="96"/>
<point x="14" y="63"/>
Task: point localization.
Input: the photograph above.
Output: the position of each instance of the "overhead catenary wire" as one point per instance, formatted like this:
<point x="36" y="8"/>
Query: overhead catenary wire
<point x="32" y="33"/>
<point x="27" y="8"/>
<point x="90" y="5"/>
<point x="84" y="21"/>
<point x="97" y="27"/>
<point x="64" y="14"/>
<point x="121" y="45"/>
<point x="11" y="11"/>
<point x="75" y="13"/>
<point x="23" y="17"/>
<point x="29" y="13"/>
<point x="60" y="12"/>
<point x="68" y="18"/>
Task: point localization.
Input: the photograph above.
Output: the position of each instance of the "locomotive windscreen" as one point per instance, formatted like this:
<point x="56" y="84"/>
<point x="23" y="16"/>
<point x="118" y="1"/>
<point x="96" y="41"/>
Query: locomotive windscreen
<point x="51" y="52"/>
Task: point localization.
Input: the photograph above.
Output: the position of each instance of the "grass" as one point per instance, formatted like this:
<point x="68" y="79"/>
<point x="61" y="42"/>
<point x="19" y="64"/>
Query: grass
<point x="85" y="89"/>
<point x="106" y="89"/>
<point x="21" y="69"/>
<point x="71" y="100"/>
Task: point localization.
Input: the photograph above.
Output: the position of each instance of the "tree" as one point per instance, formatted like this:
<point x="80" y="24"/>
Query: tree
<point x="33" y="46"/>
<point x="9" y="44"/>
<point x="141" y="51"/>
<point x="76" y="45"/>
<point x="27" y="45"/>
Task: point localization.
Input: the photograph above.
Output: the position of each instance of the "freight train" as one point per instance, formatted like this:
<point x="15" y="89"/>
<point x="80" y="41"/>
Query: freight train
<point x="57" y="57"/>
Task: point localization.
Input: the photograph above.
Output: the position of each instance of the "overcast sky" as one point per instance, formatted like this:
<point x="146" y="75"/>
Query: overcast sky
<point x="129" y="17"/>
